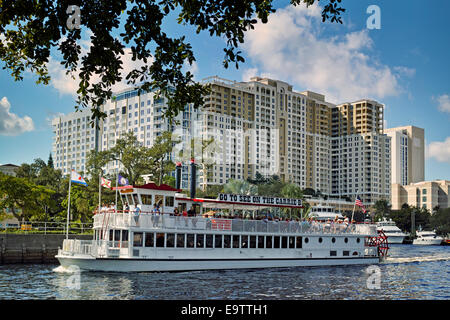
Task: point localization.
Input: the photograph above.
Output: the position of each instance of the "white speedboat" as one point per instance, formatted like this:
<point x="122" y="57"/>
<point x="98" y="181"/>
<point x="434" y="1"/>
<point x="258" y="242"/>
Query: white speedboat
<point x="393" y="233"/>
<point x="325" y="213"/>
<point x="427" y="238"/>
<point x="138" y="240"/>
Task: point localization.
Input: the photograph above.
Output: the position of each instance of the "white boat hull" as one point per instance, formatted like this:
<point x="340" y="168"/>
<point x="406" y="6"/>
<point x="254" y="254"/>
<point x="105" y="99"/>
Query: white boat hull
<point x="395" y="239"/>
<point x="160" y="265"/>
<point x="428" y="242"/>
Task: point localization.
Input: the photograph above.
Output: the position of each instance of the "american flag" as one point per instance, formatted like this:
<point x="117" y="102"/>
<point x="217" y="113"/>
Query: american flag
<point x="359" y="203"/>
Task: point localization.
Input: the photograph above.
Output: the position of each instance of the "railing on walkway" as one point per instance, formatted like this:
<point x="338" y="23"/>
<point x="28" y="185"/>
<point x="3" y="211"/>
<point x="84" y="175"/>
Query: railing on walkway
<point x="45" y="227"/>
<point x="167" y="221"/>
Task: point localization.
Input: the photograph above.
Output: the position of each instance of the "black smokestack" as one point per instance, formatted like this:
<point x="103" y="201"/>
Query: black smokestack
<point x="178" y="176"/>
<point x="193" y="178"/>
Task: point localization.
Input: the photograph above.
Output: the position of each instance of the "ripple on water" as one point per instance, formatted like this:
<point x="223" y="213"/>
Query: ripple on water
<point x="409" y="273"/>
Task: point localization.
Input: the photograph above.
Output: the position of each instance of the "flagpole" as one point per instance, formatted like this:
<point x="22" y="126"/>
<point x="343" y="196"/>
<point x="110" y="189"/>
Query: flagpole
<point x="68" y="208"/>
<point x="117" y="181"/>
<point x="99" y="191"/>
<point x="354" y="205"/>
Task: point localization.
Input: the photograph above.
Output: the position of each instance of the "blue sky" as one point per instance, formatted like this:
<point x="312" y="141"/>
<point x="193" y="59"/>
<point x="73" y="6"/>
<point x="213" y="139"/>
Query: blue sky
<point x="403" y="65"/>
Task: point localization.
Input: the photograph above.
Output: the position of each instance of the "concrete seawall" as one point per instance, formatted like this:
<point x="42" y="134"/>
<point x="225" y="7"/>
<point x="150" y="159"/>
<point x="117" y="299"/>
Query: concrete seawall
<point x="32" y="248"/>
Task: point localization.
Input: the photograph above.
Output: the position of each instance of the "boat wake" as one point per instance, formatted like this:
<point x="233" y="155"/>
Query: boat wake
<point x="416" y="259"/>
<point x="70" y="269"/>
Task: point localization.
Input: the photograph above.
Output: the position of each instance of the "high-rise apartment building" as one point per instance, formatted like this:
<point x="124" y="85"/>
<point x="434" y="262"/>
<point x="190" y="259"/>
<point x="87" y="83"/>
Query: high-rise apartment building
<point x="407" y="154"/>
<point x="73" y="138"/>
<point x="360" y="152"/>
<point x="142" y="114"/>
<point x="260" y="126"/>
<point x="265" y="126"/>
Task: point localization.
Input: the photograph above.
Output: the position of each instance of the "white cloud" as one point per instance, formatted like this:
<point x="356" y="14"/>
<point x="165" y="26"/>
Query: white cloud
<point x="10" y="123"/>
<point x="292" y="47"/>
<point x="68" y="83"/>
<point x="192" y="68"/>
<point x="444" y="103"/>
<point x="439" y="150"/>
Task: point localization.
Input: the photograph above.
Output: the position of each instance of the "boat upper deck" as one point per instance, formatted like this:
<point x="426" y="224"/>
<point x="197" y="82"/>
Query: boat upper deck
<point x="150" y="221"/>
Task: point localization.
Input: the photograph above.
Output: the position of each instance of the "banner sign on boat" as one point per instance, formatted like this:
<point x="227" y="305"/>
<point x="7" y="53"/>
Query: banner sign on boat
<point x="261" y="200"/>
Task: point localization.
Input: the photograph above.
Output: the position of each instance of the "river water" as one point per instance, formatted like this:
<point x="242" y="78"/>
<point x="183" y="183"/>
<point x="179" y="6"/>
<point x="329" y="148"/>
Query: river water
<point x="410" y="272"/>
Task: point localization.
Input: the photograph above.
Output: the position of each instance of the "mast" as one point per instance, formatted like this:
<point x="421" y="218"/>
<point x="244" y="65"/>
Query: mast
<point x="68" y="208"/>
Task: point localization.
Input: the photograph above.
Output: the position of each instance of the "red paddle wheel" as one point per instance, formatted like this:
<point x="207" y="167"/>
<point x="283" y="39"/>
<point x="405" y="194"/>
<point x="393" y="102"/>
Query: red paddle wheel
<point x="380" y="241"/>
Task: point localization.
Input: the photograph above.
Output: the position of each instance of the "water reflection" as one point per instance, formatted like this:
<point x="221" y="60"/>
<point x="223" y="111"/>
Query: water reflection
<point x="414" y="277"/>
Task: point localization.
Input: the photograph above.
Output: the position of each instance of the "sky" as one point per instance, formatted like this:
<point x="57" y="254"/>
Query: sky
<point x="404" y="65"/>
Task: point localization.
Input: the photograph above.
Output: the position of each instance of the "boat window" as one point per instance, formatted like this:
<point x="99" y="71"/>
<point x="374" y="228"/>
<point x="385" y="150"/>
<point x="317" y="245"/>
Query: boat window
<point x="291" y="242"/>
<point x="111" y="235"/>
<point x="124" y="235"/>
<point x="269" y="242"/>
<point x="137" y="239"/>
<point x="299" y="242"/>
<point x="181" y="207"/>
<point x="284" y="242"/>
<point x="235" y="241"/>
<point x="209" y="240"/>
<point x="136" y="199"/>
<point x="333" y="239"/>
<point x="333" y="253"/>
<point x="306" y="240"/>
<point x="260" y="241"/>
<point x="227" y="241"/>
<point x="276" y="242"/>
<point x="218" y="241"/>
<point x="200" y="240"/>
<point x="358" y="240"/>
<point x="170" y="240"/>
<point x="244" y="241"/>
<point x="159" y="199"/>
<point x="320" y="240"/>
<point x="160" y="240"/>
<point x="345" y="253"/>
<point x="345" y="240"/>
<point x="146" y="199"/>
<point x="180" y="240"/>
<point x="130" y="199"/>
<point x="116" y="235"/>
<point x="149" y="239"/>
<point x="252" y="241"/>
<point x="355" y="253"/>
<point x="190" y="240"/>
<point x="169" y="201"/>
<point x="124" y="198"/>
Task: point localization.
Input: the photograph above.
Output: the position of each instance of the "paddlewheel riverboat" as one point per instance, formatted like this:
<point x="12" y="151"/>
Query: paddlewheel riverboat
<point x="215" y="235"/>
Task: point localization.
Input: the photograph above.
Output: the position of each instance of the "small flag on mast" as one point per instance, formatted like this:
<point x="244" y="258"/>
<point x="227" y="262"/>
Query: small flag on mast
<point x="359" y="203"/>
<point x="75" y="177"/>
<point x="106" y="183"/>
<point x="123" y="181"/>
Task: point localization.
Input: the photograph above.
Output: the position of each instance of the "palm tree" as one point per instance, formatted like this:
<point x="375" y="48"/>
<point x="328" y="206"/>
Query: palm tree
<point x="240" y="187"/>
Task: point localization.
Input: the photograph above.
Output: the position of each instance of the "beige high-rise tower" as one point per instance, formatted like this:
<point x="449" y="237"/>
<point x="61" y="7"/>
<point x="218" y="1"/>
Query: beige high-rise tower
<point x="407" y="154"/>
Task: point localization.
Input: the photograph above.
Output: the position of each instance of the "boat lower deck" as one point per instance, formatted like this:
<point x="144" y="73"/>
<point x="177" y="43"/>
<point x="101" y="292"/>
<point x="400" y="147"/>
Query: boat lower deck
<point x="162" y="265"/>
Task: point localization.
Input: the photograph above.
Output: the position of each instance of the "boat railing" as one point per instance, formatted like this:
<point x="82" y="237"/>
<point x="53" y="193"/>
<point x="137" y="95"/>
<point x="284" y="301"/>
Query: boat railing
<point x="167" y="221"/>
<point x="75" y="246"/>
<point x="94" y="248"/>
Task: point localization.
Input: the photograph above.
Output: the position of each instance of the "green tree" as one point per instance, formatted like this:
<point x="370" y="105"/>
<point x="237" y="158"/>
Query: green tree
<point x="382" y="209"/>
<point x="24" y="199"/>
<point x="440" y="221"/>
<point x="140" y="25"/>
<point x="240" y="187"/>
<point x="129" y="152"/>
<point x="50" y="163"/>
<point x="291" y="190"/>
<point x="160" y="164"/>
